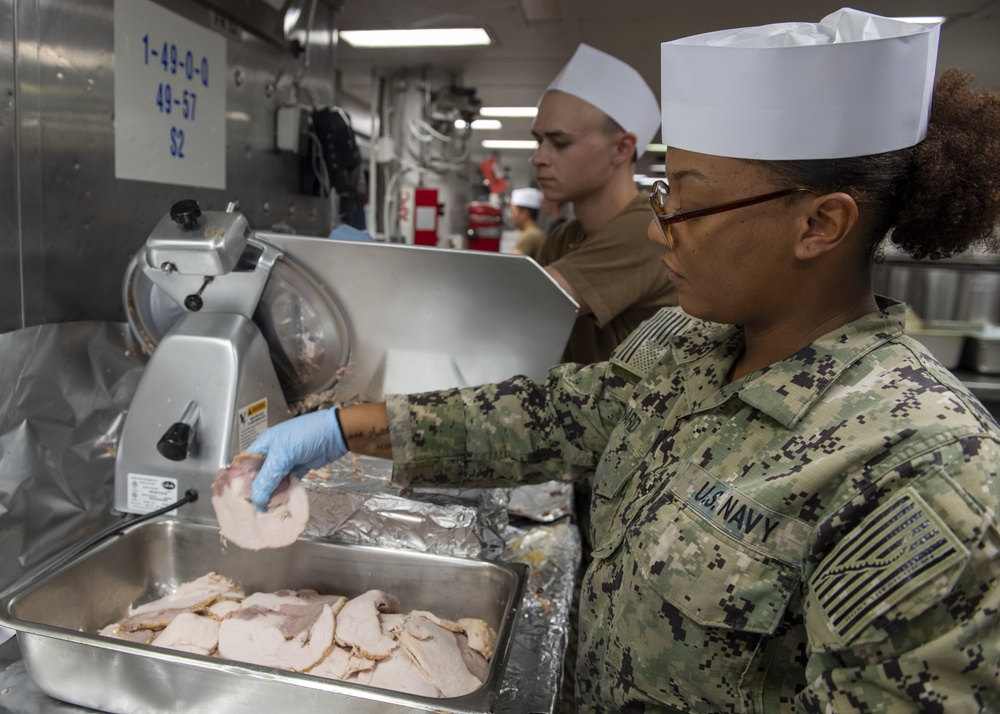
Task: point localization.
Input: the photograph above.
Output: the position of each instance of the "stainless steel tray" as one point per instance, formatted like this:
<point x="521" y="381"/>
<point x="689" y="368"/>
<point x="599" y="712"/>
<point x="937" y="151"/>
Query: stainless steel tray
<point x="57" y="615"/>
<point x="982" y="351"/>
<point x="944" y="339"/>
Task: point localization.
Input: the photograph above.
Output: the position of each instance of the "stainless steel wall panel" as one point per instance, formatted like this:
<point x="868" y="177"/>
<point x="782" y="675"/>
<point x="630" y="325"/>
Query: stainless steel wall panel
<point x="28" y="159"/>
<point x="73" y="228"/>
<point x="10" y="249"/>
<point x="71" y="167"/>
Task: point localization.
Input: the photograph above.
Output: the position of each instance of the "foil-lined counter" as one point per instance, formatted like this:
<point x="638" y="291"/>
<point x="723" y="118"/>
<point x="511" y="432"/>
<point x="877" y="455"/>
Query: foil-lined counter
<point x="66" y="388"/>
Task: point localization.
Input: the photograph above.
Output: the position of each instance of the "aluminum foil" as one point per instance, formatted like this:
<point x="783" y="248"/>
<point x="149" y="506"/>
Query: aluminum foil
<point x="64" y="392"/>
<point x="543" y="502"/>
<point x="353" y="501"/>
<point x="534" y="677"/>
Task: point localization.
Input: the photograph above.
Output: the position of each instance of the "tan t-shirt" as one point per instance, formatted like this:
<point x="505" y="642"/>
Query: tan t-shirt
<point x="530" y="241"/>
<point x="617" y="270"/>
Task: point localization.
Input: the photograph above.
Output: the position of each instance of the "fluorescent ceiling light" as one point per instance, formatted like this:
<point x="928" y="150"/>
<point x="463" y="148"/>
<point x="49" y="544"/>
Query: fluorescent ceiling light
<point x="445" y="37"/>
<point x="292" y="19"/>
<point x="478" y="124"/>
<point x="924" y="20"/>
<point x="644" y="180"/>
<point x="656" y="147"/>
<point x="510" y="144"/>
<point x="508" y="111"/>
<point x="658" y="168"/>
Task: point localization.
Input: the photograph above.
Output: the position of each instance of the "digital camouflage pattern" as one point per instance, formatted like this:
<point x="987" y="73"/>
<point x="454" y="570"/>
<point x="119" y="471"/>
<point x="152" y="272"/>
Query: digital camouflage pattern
<point x="820" y="536"/>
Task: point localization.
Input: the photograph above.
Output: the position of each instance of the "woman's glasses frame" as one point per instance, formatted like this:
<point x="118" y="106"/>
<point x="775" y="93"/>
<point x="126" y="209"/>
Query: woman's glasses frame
<point x="660" y="193"/>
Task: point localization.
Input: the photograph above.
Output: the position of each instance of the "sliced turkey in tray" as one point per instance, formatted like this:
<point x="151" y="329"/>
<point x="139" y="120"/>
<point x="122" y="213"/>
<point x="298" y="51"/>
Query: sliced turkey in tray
<point x="365" y="639"/>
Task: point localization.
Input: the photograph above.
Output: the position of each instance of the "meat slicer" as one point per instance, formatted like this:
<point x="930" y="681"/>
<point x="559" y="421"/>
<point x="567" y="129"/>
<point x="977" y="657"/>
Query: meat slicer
<point x="240" y="324"/>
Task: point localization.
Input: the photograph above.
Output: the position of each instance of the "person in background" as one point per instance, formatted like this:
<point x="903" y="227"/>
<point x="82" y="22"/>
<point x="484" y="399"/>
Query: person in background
<point x="795" y="505"/>
<point x="524" y="206"/>
<point x="594" y="120"/>
<point x="554" y="214"/>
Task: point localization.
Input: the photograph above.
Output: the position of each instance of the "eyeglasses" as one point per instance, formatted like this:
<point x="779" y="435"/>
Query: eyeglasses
<point x="661" y="193"/>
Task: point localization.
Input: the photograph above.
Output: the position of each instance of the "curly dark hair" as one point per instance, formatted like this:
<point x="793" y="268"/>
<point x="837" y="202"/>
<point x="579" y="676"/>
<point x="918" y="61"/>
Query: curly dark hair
<point x="936" y="199"/>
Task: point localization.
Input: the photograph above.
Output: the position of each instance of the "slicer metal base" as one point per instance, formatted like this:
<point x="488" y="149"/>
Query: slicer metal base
<point x="221" y="362"/>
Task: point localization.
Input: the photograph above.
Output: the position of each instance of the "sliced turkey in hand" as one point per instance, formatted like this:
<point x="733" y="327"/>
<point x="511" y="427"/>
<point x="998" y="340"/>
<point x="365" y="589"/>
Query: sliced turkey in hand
<point x="240" y="522"/>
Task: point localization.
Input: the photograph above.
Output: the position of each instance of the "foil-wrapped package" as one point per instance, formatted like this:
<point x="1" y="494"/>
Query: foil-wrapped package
<point x="353" y="500"/>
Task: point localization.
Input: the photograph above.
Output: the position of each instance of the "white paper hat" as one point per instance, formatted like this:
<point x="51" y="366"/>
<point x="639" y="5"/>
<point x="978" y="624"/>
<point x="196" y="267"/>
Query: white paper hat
<point x="526" y="197"/>
<point x="615" y="88"/>
<point x="853" y="84"/>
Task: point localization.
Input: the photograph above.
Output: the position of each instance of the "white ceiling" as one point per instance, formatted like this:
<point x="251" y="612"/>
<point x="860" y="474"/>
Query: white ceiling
<point x="534" y="38"/>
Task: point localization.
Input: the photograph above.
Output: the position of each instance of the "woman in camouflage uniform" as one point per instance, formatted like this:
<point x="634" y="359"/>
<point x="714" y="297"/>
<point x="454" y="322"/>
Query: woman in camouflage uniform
<point x="795" y="505"/>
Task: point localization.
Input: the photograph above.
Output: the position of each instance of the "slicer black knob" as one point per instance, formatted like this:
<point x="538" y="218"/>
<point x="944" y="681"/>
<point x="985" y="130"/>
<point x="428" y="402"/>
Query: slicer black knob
<point x="175" y="442"/>
<point x="194" y="302"/>
<point x="186" y="213"/>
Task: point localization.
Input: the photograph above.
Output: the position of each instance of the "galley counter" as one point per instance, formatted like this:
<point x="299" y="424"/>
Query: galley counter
<point x="70" y="387"/>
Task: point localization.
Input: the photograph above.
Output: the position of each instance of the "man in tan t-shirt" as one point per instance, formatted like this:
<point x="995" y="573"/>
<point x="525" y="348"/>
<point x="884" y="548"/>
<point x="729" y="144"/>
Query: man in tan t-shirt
<point x="593" y="123"/>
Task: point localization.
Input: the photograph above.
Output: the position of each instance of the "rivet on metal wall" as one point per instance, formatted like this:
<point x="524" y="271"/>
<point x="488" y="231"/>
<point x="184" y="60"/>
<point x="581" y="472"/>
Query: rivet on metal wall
<point x="269" y="90"/>
<point x="238" y="77"/>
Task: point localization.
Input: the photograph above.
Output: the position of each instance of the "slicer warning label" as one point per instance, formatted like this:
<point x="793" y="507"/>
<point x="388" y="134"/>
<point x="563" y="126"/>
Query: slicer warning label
<point x="149" y="493"/>
<point x="253" y="422"/>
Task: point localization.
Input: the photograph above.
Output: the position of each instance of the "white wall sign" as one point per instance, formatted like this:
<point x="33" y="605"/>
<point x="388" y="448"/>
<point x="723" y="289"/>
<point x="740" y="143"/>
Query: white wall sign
<point x="170" y="98"/>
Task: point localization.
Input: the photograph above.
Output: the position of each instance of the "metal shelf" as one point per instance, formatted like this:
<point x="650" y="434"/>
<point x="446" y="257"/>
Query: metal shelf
<point x="985" y="386"/>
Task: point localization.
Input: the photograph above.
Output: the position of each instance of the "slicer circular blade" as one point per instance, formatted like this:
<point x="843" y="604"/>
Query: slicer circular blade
<point x="305" y="330"/>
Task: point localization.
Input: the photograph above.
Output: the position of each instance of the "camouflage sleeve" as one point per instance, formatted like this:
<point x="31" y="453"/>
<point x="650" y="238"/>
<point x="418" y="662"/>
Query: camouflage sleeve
<point x="903" y="609"/>
<point x="516" y="431"/>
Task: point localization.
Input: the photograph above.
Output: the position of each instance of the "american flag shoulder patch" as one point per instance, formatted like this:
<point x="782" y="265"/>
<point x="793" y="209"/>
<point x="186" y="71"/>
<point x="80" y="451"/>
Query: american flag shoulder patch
<point x="646" y="344"/>
<point x="901" y="557"/>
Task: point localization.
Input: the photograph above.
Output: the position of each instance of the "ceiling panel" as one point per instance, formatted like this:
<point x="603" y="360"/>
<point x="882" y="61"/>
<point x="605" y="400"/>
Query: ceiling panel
<point x="528" y="53"/>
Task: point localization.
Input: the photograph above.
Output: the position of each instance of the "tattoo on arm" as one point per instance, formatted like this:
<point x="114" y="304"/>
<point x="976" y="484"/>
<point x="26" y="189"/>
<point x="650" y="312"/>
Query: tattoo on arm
<point x="366" y="430"/>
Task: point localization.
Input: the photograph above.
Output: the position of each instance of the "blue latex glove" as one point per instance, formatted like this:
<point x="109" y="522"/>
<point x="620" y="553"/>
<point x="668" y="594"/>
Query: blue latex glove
<point x="346" y="232"/>
<point x="295" y="447"/>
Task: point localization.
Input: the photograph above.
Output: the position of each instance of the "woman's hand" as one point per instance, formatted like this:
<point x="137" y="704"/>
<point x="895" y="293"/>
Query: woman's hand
<point x="295" y="447"/>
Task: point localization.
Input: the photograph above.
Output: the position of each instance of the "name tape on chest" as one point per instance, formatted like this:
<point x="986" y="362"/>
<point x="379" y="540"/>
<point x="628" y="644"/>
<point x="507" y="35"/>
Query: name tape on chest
<point x="739" y="515"/>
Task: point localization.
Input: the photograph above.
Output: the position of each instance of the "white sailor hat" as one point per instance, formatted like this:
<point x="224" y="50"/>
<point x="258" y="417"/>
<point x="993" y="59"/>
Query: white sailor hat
<point x="853" y="84"/>
<point x="615" y="88"/>
<point x="526" y="198"/>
